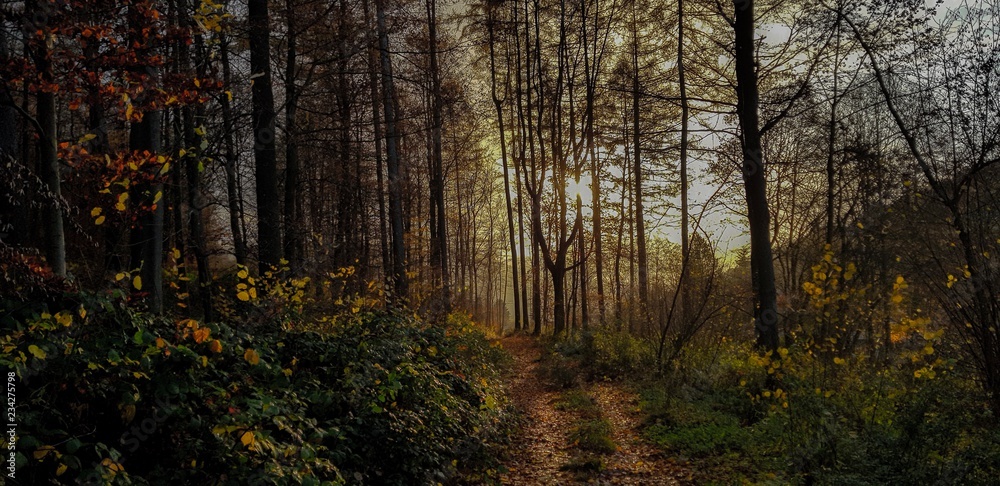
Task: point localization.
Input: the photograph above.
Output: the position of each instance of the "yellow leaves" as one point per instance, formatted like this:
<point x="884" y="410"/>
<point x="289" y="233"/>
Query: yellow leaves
<point x="215" y="346"/>
<point x="839" y="361"/>
<point x="96" y="213"/>
<point x="120" y="276"/>
<point x="137" y="282"/>
<point x="951" y="280"/>
<point x="160" y="343"/>
<point x="65" y="318"/>
<point x="243" y="273"/>
<point x="61" y="469"/>
<point x="897" y="298"/>
<point x="247" y="439"/>
<point x="37" y="352"/>
<point x="120" y="205"/>
<point x="157" y="197"/>
<point x="251" y="356"/>
<point x="243" y="295"/>
<point x="860" y="226"/>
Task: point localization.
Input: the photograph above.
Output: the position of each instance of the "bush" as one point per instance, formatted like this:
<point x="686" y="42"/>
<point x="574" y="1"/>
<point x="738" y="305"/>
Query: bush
<point x="593" y="435"/>
<point x="381" y="398"/>
<point x="618" y="354"/>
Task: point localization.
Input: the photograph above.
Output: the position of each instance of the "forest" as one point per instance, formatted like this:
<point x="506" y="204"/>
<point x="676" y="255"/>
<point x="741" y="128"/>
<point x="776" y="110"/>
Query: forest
<point x="541" y="242"/>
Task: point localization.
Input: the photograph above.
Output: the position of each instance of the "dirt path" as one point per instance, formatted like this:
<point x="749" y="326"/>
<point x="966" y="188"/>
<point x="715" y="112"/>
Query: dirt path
<point x="543" y="447"/>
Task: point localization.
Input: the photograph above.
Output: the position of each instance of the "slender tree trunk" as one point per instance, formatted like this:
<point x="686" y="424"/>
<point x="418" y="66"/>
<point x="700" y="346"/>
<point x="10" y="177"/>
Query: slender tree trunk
<point x="522" y="141"/>
<point x="831" y="144"/>
<point x="439" y="250"/>
<point x="52" y="217"/>
<point x="292" y="219"/>
<point x="373" y="69"/>
<point x="392" y="159"/>
<point x="685" y="215"/>
<point x="590" y="73"/>
<point x="498" y="104"/>
<point x="640" y="224"/>
<point x="232" y="192"/>
<point x="262" y="121"/>
<point x="754" y="181"/>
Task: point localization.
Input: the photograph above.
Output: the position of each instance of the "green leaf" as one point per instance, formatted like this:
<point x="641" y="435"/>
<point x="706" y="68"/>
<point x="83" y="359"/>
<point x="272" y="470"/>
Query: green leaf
<point x="72" y="445"/>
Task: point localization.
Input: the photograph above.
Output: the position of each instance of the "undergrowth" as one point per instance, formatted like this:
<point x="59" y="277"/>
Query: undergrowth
<point x="111" y="395"/>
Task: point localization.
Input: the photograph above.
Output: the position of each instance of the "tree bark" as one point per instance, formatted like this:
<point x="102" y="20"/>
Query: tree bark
<point x="231" y="159"/>
<point x="439" y="249"/>
<point x="392" y="159"/>
<point x="292" y="220"/>
<point x="52" y="217"/>
<point x="262" y="122"/>
<point x="685" y="214"/>
<point x="754" y="181"/>
<point x="640" y="224"/>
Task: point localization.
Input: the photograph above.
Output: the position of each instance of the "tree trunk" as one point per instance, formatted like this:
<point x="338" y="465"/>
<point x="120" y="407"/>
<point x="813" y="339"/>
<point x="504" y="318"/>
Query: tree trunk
<point x="392" y="159"/>
<point x="52" y="217"/>
<point x="640" y="224"/>
<point x="144" y="138"/>
<point x="498" y="104"/>
<point x="754" y="181"/>
<point x="373" y="69"/>
<point x="685" y="215"/>
<point x="262" y="121"/>
<point x="292" y="220"/>
<point x="231" y="159"/>
<point x="439" y="249"/>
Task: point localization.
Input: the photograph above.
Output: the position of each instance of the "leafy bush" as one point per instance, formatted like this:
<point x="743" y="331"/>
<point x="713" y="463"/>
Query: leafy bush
<point x="617" y="354"/>
<point x="111" y="395"/>
<point x="593" y="435"/>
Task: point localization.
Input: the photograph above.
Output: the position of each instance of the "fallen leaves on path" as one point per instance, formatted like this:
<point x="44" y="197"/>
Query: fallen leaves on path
<point x="543" y="447"/>
<point x="635" y="462"/>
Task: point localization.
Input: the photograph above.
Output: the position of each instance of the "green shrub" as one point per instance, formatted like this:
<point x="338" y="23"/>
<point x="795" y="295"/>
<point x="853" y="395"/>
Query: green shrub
<point x="111" y="395"/>
<point x="700" y="439"/>
<point x="594" y="435"/>
<point x="618" y="354"/>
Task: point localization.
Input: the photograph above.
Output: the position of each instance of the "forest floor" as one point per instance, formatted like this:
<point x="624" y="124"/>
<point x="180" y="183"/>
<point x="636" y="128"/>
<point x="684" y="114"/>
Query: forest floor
<point x="543" y="453"/>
